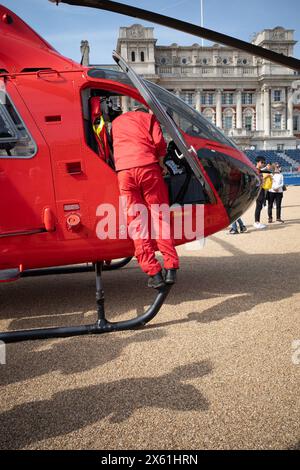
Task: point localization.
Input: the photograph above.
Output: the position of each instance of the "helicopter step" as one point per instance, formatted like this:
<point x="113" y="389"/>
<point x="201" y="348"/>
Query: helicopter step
<point x="8" y="275"/>
<point x="102" y="325"/>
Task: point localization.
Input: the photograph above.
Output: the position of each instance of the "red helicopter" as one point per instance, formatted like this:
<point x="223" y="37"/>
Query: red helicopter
<point x="54" y="172"/>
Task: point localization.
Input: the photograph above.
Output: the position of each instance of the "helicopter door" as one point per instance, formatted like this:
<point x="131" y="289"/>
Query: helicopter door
<point x="27" y="202"/>
<point x="189" y="153"/>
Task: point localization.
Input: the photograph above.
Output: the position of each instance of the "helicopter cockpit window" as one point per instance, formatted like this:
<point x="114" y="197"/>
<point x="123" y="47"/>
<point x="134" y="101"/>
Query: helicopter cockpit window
<point x="187" y="118"/>
<point x="15" y="140"/>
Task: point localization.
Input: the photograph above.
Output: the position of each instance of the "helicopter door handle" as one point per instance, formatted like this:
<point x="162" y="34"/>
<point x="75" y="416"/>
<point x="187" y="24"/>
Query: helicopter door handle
<point x="49" y="219"/>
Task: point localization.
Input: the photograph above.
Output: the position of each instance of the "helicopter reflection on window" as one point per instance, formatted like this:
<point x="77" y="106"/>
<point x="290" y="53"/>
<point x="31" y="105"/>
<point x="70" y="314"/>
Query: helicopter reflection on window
<point x="15" y="140"/>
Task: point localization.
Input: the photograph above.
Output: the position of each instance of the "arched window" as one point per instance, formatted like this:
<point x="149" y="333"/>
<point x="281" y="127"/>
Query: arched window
<point x="132" y="56"/>
<point x="209" y="114"/>
<point x="142" y="56"/>
<point x="228" y="119"/>
<point x="248" y="119"/>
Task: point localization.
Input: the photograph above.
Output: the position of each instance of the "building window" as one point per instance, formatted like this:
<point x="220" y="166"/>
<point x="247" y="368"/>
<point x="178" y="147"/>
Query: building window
<point x="296" y="123"/>
<point x="228" y="122"/>
<point x="15" y="140"/>
<point x="207" y="98"/>
<point x="142" y="56"/>
<point x="248" y="119"/>
<point x="132" y="56"/>
<point x="248" y="123"/>
<point x="247" y="98"/>
<point x="187" y="97"/>
<point x="280" y="147"/>
<point x="209" y="115"/>
<point x="227" y="98"/>
<point x="277" y="95"/>
<point x="277" y="121"/>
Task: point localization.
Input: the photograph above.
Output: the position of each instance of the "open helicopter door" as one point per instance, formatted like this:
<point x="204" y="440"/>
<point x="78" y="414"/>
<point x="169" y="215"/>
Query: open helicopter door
<point x="188" y="153"/>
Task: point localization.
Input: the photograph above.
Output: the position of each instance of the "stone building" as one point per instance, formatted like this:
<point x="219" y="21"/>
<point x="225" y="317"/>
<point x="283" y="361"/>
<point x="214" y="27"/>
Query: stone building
<point x="255" y="102"/>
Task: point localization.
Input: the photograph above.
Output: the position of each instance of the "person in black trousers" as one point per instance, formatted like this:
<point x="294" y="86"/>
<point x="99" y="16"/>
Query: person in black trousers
<point x="260" y="201"/>
<point x="276" y="194"/>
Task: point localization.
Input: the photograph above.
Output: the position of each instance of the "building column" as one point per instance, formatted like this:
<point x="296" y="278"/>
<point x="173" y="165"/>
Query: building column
<point x="198" y="99"/>
<point x="290" y="111"/>
<point x="124" y="51"/>
<point x="267" y="121"/>
<point x="219" y="108"/>
<point x="258" y="116"/>
<point x="177" y="92"/>
<point x="239" y="120"/>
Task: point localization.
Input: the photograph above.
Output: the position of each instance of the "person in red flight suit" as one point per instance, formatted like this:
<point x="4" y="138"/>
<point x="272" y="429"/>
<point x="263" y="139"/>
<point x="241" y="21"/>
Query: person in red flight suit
<point x="139" y="149"/>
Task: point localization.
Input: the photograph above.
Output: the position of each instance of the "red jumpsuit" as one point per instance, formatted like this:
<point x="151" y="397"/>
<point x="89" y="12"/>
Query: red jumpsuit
<point x="138" y="144"/>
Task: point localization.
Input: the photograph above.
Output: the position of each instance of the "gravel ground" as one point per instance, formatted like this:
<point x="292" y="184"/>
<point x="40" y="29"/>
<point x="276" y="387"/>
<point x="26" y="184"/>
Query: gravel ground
<point x="214" y="370"/>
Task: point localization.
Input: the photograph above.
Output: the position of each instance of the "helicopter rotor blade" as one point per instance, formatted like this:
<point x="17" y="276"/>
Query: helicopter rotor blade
<point x="287" y="61"/>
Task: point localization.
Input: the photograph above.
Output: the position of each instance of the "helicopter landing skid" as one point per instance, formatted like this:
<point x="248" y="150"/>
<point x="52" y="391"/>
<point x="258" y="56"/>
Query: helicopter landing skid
<point x="87" y="268"/>
<point x="102" y="325"/>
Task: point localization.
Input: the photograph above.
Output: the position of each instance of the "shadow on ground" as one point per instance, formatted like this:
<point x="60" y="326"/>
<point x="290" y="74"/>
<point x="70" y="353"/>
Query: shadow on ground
<point x="67" y="300"/>
<point x="246" y="280"/>
<point x="74" y="409"/>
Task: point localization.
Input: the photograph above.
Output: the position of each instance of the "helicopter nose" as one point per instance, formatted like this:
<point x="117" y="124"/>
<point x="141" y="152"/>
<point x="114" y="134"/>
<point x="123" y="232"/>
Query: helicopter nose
<point x="241" y="191"/>
<point x="234" y="178"/>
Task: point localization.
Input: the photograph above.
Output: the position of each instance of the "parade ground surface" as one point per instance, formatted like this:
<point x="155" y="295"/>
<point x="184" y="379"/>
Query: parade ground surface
<point x="218" y="368"/>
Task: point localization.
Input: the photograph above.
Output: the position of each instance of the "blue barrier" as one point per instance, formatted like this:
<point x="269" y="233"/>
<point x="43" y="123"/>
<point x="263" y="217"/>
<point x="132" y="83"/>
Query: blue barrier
<point x="291" y="179"/>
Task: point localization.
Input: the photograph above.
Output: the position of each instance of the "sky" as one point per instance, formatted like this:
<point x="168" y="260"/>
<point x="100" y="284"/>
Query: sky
<point x="64" y="26"/>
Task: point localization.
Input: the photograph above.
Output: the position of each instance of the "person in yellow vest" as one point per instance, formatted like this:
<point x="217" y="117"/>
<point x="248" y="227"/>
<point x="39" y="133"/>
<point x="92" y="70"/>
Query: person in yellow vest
<point x="267" y="178"/>
<point x="266" y="185"/>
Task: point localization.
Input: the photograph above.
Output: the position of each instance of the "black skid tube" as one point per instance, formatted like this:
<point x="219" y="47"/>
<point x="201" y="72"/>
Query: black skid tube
<point x="87" y="268"/>
<point x="101" y="325"/>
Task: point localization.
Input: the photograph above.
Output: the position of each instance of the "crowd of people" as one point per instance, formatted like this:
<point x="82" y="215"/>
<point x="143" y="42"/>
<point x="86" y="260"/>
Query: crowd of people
<point x="271" y="192"/>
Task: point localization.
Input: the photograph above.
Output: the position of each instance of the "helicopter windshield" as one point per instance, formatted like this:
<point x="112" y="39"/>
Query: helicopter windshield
<point x="187" y="118"/>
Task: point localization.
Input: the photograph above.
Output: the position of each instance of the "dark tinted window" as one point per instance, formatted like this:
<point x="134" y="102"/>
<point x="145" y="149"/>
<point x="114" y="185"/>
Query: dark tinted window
<point x="15" y="140"/>
<point x="110" y="74"/>
<point x="236" y="183"/>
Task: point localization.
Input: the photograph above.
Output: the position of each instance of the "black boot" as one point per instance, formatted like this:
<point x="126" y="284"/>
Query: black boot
<point x="156" y="281"/>
<point x="170" y="276"/>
